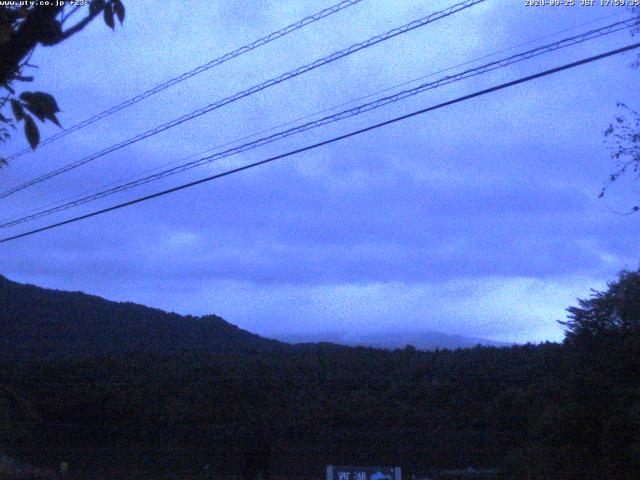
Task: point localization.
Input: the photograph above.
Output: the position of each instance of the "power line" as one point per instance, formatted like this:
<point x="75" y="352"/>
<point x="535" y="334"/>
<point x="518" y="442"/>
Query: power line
<point x="329" y="141"/>
<point x="307" y="116"/>
<point x="256" y="88"/>
<point x="502" y="63"/>
<point x="72" y="198"/>
<point x="192" y="73"/>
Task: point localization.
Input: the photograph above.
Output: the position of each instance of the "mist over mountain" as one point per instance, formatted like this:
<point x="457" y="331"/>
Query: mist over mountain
<point x="426" y="340"/>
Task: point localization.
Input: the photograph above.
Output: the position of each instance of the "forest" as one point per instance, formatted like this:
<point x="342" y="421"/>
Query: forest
<point x="567" y="411"/>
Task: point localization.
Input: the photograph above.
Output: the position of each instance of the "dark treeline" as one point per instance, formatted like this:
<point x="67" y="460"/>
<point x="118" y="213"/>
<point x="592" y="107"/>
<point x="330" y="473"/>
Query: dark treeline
<point x="534" y="412"/>
<point x="423" y="410"/>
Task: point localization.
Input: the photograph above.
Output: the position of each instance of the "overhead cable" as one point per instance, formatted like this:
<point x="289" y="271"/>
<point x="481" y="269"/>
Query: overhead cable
<point x="192" y="73"/>
<point x="245" y="93"/>
<point x="327" y="142"/>
<point x="472" y="72"/>
<point x="301" y="118"/>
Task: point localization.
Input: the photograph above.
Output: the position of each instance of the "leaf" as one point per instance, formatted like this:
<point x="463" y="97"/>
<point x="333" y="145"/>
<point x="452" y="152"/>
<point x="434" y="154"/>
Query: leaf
<point x="108" y="16"/>
<point x="42" y="105"/>
<point x="54" y="119"/>
<point x="18" y="111"/>
<point x="31" y="131"/>
<point x="118" y="7"/>
<point x="47" y="101"/>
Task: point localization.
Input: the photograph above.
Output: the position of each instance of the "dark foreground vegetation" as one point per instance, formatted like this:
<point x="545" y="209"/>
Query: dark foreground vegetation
<point x="569" y="411"/>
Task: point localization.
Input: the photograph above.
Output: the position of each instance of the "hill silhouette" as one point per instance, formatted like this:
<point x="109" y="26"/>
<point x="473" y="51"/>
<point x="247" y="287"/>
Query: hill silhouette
<point x="422" y="340"/>
<point x="37" y="323"/>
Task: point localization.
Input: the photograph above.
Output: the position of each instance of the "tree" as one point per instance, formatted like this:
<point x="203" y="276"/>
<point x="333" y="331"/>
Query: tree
<point x="615" y="312"/>
<point x="603" y="393"/>
<point x="624" y="134"/>
<point x="603" y="333"/>
<point x="22" y="29"/>
<point x="591" y="429"/>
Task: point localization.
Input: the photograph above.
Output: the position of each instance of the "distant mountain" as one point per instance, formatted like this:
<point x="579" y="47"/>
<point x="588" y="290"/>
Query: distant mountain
<point x="38" y="323"/>
<point x="429" y="340"/>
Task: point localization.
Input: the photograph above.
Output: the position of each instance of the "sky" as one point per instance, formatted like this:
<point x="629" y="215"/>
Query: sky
<point x="479" y="219"/>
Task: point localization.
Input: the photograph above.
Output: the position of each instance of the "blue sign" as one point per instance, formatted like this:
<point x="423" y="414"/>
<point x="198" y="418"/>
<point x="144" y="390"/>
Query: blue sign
<point x="363" y="473"/>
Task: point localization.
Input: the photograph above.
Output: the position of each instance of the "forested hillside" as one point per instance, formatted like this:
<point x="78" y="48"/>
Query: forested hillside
<point x="47" y="324"/>
<point x="568" y="411"/>
<point x="423" y="410"/>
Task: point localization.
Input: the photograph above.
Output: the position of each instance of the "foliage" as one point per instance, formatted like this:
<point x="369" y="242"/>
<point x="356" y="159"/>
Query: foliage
<point x="623" y="134"/>
<point x="593" y="431"/>
<point x="24" y="26"/>
<point x="424" y="410"/>
<point x="624" y="137"/>
<point x="614" y="312"/>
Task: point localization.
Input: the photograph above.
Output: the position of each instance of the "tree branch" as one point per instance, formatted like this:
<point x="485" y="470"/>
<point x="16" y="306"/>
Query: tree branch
<point x="73" y="30"/>
<point x="36" y="26"/>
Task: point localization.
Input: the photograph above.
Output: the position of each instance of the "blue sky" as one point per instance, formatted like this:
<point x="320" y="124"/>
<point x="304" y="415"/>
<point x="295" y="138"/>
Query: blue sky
<point x="480" y="219"/>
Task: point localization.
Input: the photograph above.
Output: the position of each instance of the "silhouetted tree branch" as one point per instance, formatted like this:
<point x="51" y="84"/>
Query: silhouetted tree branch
<point x="624" y="134"/>
<point x="22" y="29"/>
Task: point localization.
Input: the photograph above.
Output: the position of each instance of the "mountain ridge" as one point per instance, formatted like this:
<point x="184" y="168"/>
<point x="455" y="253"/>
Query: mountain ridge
<point x="422" y="340"/>
<point x="38" y="323"/>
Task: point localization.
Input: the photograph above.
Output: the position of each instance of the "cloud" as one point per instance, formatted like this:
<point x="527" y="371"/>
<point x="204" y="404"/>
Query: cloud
<point x="478" y="219"/>
<point x="510" y="309"/>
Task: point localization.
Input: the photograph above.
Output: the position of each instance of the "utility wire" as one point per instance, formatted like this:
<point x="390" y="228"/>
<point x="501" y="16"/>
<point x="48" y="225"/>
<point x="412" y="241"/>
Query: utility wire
<point x="71" y="198"/>
<point x="192" y="73"/>
<point x="256" y="88"/>
<point x="502" y="63"/>
<point x="330" y="141"/>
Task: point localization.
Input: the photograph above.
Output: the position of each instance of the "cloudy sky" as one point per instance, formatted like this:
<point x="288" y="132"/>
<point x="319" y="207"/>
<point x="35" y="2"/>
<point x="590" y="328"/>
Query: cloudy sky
<point x="479" y="219"/>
